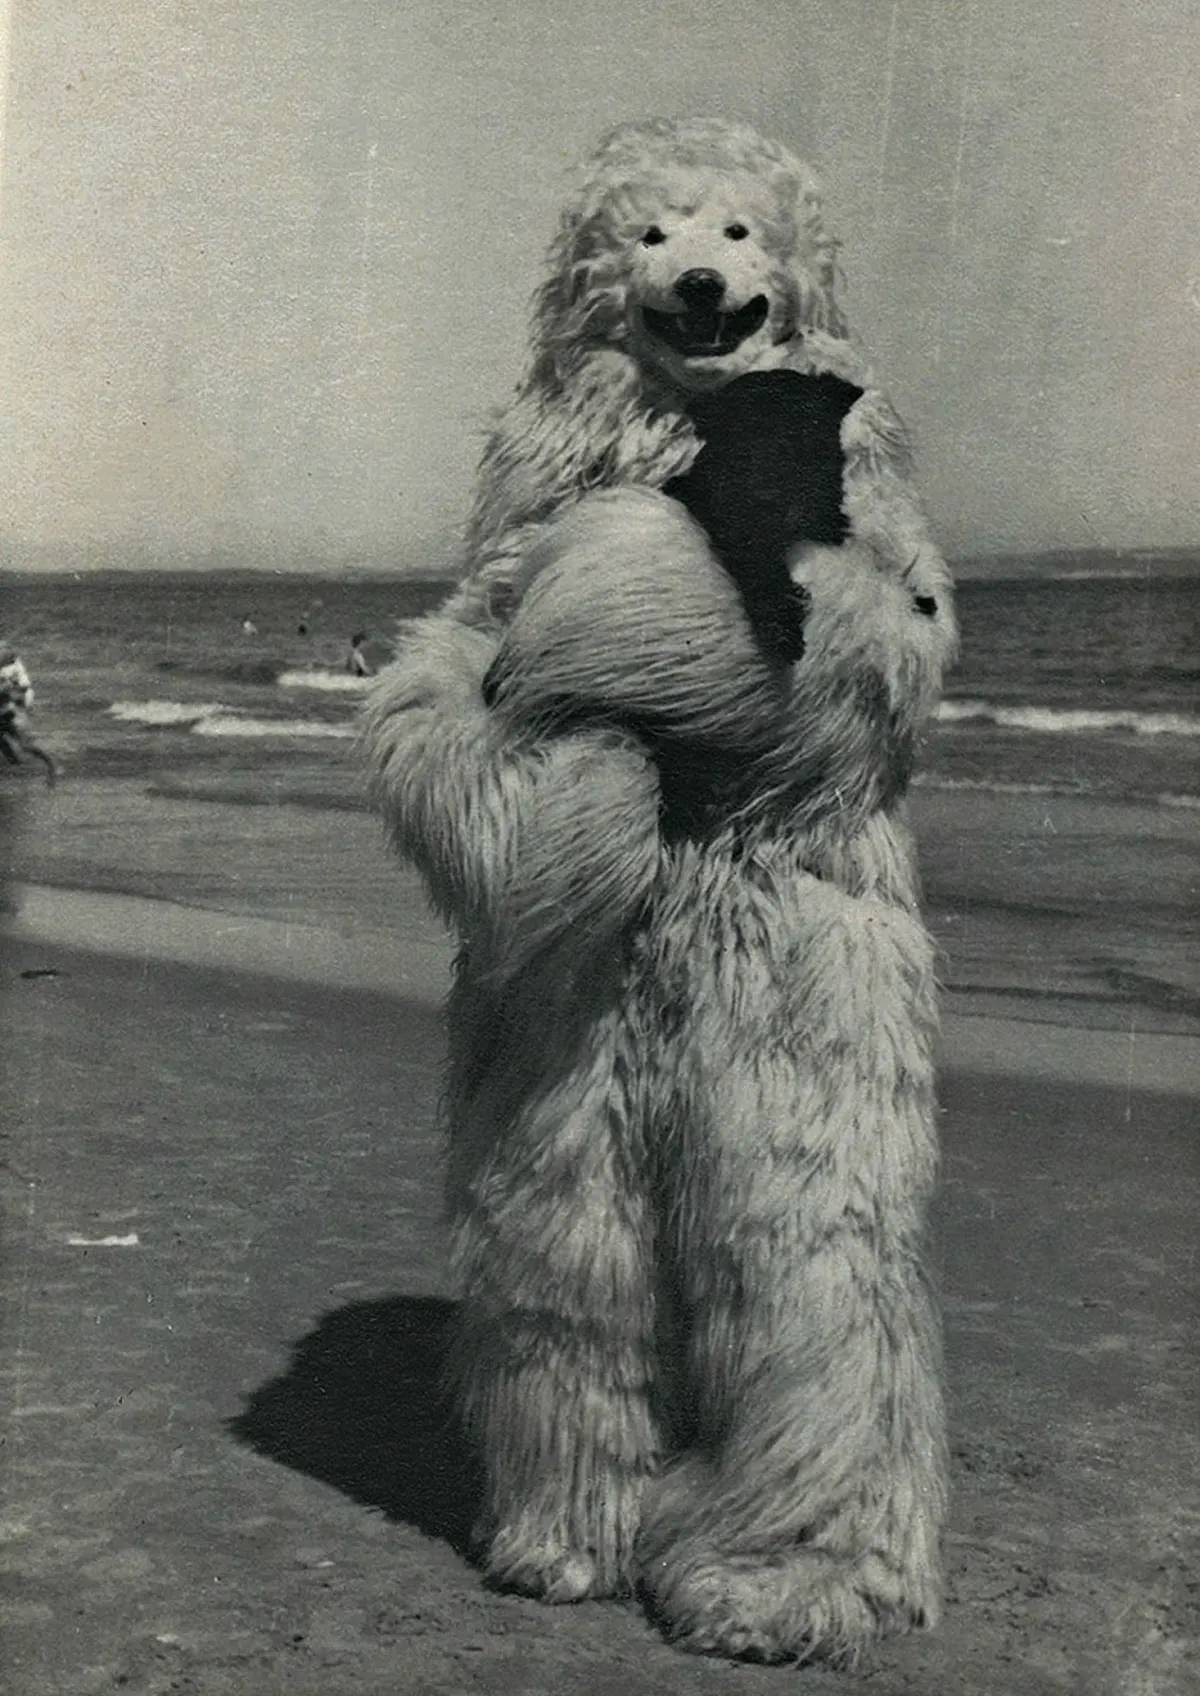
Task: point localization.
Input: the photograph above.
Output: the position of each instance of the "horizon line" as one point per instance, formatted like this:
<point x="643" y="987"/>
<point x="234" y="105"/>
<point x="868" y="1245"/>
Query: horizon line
<point x="444" y="571"/>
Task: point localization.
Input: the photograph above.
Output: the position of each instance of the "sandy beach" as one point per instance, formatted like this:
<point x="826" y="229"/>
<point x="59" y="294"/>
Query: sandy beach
<point x="226" y="1468"/>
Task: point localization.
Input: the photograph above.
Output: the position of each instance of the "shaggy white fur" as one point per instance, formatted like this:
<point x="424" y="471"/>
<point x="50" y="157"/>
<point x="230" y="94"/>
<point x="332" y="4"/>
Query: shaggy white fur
<point x="690" y="1096"/>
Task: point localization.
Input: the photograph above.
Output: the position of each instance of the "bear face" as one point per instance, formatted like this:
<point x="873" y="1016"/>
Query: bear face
<point x="696" y="248"/>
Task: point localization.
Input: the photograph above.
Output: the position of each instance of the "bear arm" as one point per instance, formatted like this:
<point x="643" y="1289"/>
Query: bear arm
<point x="516" y="838"/>
<point x="882" y="504"/>
<point x="629" y="619"/>
<point x="864" y="690"/>
<point x="880" y="498"/>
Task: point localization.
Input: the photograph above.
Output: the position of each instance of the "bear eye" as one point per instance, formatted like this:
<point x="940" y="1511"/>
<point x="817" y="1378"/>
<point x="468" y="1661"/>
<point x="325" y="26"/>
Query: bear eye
<point x="653" y="236"/>
<point x="736" y="232"/>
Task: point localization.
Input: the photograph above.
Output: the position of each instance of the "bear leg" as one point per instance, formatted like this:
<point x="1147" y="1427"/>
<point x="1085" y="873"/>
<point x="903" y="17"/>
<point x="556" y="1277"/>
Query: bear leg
<point x="804" y="1521"/>
<point x="554" y="1352"/>
<point x="810" y="1528"/>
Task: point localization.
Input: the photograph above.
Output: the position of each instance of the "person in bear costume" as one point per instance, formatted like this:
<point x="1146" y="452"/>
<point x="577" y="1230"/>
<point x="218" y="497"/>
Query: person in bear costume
<point x="651" y="760"/>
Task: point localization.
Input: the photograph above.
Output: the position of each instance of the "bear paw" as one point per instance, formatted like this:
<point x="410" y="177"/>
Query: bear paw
<point x="543" y="1567"/>
<point x="806" y="1605"/>
<point x="564" y="1550"/>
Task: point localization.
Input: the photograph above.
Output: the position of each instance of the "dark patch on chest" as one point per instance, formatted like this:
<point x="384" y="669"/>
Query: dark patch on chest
<point x="769" y="475"/>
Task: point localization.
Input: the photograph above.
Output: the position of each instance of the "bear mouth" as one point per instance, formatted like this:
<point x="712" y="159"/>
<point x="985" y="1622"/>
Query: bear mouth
<point x="703" y="332"/>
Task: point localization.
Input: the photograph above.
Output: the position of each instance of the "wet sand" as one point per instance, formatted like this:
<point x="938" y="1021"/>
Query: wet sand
<point x="1049" y="909"/>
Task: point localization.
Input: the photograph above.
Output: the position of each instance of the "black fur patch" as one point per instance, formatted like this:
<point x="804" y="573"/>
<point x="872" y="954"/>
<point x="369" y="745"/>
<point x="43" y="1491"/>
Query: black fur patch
<point x="768" y="475"/>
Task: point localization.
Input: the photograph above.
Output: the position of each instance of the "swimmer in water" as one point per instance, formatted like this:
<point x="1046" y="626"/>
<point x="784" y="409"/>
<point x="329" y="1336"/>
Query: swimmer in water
<point x="357" y="663"/>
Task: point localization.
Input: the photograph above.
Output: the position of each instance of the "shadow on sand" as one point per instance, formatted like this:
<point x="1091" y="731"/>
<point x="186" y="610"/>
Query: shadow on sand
<point x="361" y="1407"/>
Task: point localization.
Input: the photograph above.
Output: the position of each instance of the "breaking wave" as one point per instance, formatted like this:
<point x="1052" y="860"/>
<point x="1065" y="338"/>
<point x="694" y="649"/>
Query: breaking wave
<point x="166" y="712"/>
<point x="328" y="682"/>
<point x="1069" y="721"/>
<point x="989" y="785"/>
<point x="1114" y="574"/>
<point x="1068" y="791"/>
<point x="215" y="718"/>
<point x="241" y="724"/>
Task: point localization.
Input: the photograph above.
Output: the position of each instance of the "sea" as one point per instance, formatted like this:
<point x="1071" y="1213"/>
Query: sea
<point x="1079" y="673"/>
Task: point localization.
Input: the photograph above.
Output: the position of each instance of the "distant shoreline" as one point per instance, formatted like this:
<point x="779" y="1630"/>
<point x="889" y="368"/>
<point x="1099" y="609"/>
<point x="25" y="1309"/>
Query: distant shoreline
<point x="28" y="577"/>
<point x="1173" y="560"/>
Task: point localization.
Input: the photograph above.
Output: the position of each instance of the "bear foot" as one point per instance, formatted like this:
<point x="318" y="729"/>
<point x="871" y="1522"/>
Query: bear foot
<point x="546" y="1570"/>
<point x="549" y="1558"/>
<point x="803" y="1606"/>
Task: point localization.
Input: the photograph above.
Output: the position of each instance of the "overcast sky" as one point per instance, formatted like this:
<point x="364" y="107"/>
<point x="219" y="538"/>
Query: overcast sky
<point x="266" y="265"/>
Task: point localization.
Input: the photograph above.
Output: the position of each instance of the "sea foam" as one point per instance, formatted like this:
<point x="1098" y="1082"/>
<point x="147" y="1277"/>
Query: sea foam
<point x="240" y="724"/>
<point x="167" y="712"/>
<point x="215" y="718"/>
<point x="1071" y="721"/>
<point x="1064" y="791"/>
<point x="329" y="682"/>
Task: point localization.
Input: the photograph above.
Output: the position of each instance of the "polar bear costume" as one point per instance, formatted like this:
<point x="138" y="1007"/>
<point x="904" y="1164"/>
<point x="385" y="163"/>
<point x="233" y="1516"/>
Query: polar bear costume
<point x="690" y="1097"/>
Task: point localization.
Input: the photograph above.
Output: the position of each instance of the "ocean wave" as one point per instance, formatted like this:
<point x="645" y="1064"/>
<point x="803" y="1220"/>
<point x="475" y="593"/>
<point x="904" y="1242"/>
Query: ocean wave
<point x="240" y="724"/>
<point x="991" y="786"/>
<point x="1070" y="721"/>
<point x="1114" y="574"/>
<point x="216" y="718"/>
<point x="1062" y="791"/>
<point x="329" y="682"/>
<point x="182" y="713"/>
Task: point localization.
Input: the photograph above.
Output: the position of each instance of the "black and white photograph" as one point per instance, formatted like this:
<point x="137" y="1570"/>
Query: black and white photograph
<point x="599" y="847"/>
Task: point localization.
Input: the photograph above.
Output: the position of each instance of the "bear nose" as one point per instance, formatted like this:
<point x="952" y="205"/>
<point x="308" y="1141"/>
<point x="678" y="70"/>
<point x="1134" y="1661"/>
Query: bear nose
<point x="700" y="288"/>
